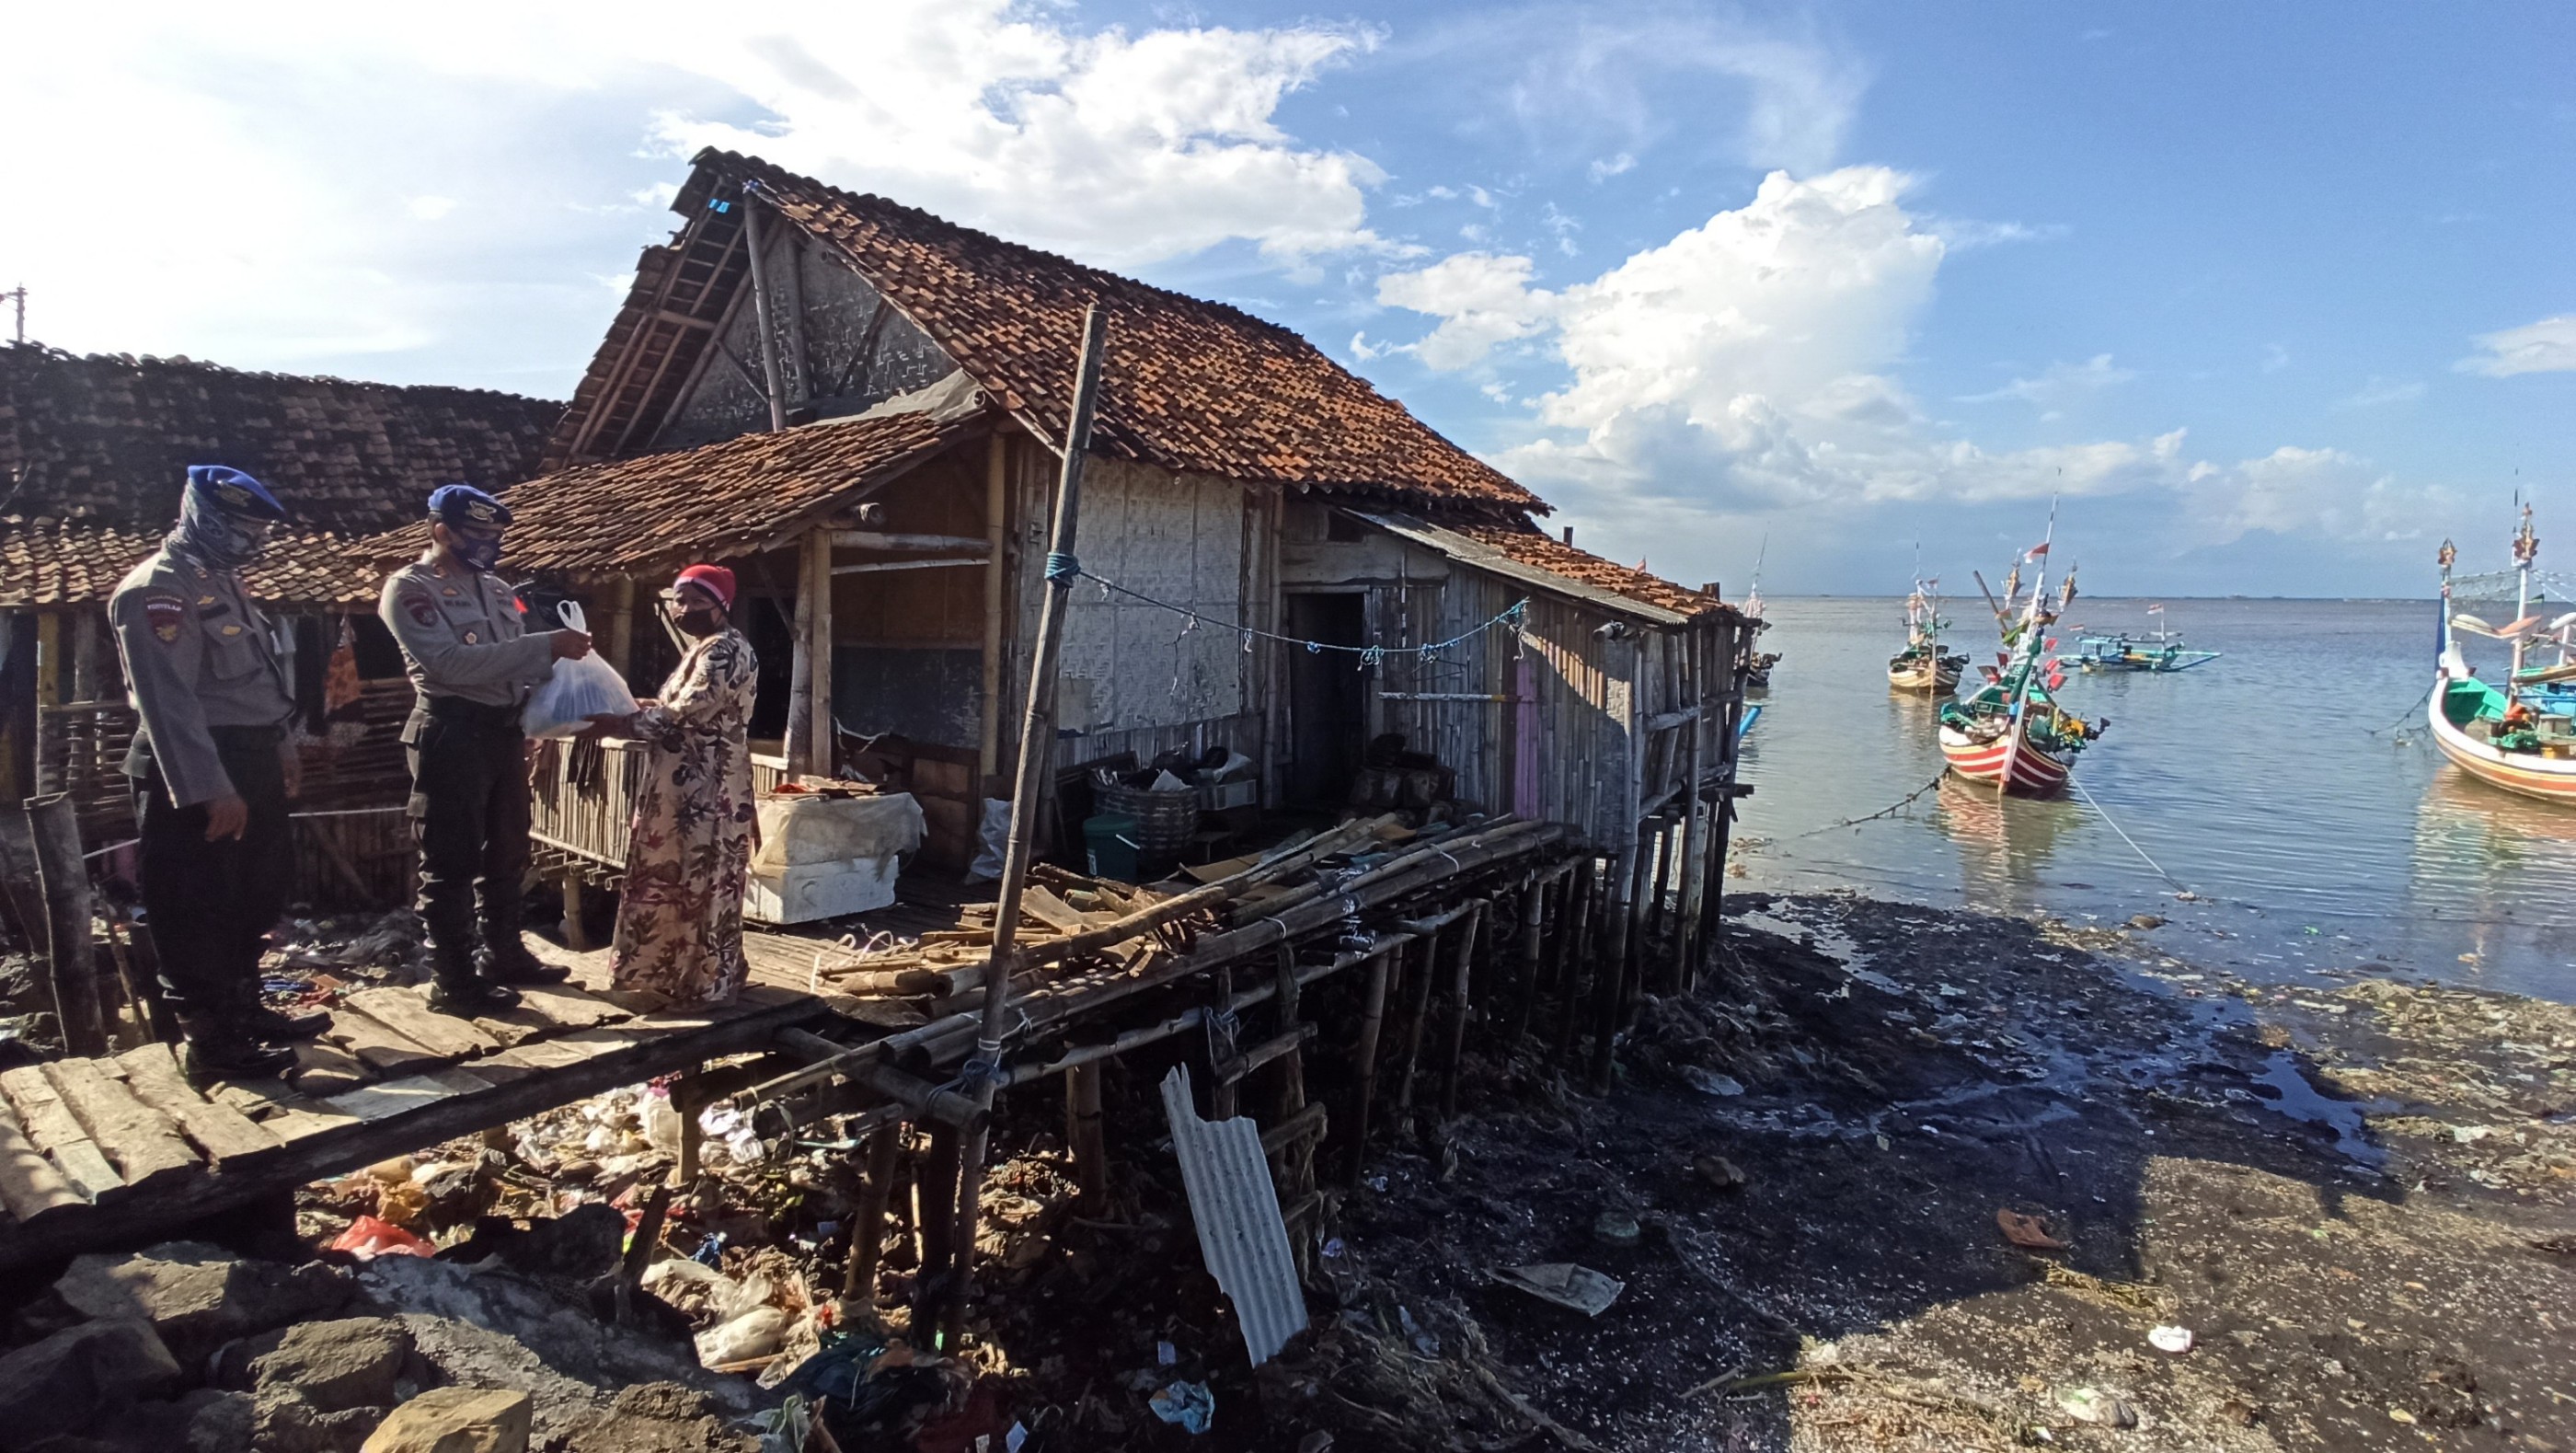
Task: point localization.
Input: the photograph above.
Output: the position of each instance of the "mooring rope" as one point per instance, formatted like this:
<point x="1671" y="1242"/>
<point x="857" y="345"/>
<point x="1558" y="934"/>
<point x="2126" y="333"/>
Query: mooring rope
<point x="2179" y="885"/>
<point x="1893" y="808"/>
<point x="2411" y="714"/>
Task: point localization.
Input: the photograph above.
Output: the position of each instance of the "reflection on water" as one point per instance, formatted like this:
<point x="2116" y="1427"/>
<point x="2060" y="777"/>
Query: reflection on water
<point x="2286" y="784"/>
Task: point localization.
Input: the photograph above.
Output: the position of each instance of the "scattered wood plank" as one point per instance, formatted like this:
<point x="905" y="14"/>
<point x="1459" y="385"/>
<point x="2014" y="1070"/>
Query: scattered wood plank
<point x="223" y="1134"/>
<point x="376" y="1043"/>
<point x="406" y="1013"/>
<point x="558" y="1006"/>
<point x="1036" y="902"/>
<point x="322" y="1069"/>
<point x="532" y="1057"/>
<point x="29" y="1185"/>
<point x="143" y="1144"/>
<point x="412" y="1092"/>
<point x="51" y="1128"/>
<point x="280" y="1111"/>
<point x="508" y="1032"/>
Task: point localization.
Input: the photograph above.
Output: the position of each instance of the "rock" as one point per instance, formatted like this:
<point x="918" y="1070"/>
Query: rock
<point x="199" y="1297"/>
<point x="457" y="1420"/>
<point x="660" y="1417"/>
<point x="1719" y="1172"/>
<point x="2144" y="921"/>
<point x="220" y="1422"/>
<point x="68" y="1380"/>
<point x="285" y="1422"/>
<point x="358" y="1362"/>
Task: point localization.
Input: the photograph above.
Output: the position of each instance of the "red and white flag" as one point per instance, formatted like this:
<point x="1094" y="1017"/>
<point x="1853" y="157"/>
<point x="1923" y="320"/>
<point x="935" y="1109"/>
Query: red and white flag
<point x="2038" y="550"/>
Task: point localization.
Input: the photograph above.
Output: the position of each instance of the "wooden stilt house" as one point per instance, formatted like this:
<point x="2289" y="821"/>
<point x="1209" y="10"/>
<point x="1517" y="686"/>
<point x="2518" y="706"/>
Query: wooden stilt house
<point x="856" y="404"/>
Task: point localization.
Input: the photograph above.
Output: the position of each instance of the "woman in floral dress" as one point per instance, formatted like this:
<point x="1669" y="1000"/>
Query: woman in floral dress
<point x="688" y="855"/>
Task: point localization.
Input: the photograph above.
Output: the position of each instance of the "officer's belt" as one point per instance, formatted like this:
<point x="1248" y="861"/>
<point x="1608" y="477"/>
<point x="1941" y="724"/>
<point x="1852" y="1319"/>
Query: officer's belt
<point x="471" y="713"/>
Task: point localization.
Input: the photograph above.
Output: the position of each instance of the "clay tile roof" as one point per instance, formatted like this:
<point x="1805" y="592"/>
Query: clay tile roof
<point x="93" y="451"/>
<point x="1191" y="386"/>
<point x="710" y="503"/>
<point x="1542" y="551"/>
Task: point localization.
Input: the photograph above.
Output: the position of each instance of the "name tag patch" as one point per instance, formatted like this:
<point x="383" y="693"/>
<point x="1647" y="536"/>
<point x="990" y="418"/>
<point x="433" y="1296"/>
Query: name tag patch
<point x="165" y="614"/>
<point x="422" y="610"/>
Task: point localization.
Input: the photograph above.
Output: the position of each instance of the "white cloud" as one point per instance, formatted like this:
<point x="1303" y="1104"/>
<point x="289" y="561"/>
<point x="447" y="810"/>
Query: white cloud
<point x="2383" y="393"/>
<point x="2548" y="346"/>
<point x="299" y="146"/>
<point x="1481" y="300"/>
<point x="1964" y="234"/>
<point x="2058" y="382"/>
<point x="1604" y="168"/>
<point x="2316" y="491"/>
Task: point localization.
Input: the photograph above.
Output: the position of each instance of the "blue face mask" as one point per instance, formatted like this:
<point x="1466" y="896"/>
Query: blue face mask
<point x="479" y="550"/>
<point x="226" y="542"/>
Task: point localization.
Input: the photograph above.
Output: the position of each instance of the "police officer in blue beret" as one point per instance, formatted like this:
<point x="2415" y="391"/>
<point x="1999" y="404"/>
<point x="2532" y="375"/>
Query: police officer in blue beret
<point x="212" y="768"/>
<point x="473" y="664"/>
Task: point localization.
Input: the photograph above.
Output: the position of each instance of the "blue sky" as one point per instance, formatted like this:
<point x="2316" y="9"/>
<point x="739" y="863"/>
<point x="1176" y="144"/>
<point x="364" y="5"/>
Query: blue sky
<point x="2273" y="296"/>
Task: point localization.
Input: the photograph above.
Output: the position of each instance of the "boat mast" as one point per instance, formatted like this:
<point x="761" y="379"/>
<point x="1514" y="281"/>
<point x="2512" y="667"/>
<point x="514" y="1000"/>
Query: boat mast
<point x="2526" y="548"/>
<point x="2442" y="637"/>
<point x="2027" y="653"/>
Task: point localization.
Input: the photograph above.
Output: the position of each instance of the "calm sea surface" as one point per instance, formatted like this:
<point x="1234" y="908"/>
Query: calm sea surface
<point x="2288" y="784"/>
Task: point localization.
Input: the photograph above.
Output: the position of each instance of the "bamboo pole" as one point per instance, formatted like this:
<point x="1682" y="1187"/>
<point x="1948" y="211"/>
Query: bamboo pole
<point x="1082" y="1132"/>
<point x="1037" y="740"/>
<point x="988" y="726"/>
<point x="1372" y="1023"/>
<point x="868" y="1220"/>
<point x="756" y="243"/>
<point x="1454" y="1063"/>
<point x="822" y="739"/>
<point x="936" y="1200"/>
<point x="1525" y="992"/>
<point x="1573" y="954"/>
<point x="64" y="880"/>
<point x="1417" y="1011"/>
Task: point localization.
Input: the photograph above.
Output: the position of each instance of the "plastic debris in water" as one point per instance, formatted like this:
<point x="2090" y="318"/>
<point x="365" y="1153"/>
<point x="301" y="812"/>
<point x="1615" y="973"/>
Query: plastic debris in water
<point x="2170" y="1339"/>
<point x="1188" y="1404"/>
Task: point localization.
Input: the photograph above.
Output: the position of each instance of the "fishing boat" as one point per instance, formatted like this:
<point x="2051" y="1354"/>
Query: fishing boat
<point x="1757" y="665"/>
<point x="1923" y="665"/>
<point x="2158" y="650"/>
<point x="2011" y="731"/>
<point x="2520" y="736"/>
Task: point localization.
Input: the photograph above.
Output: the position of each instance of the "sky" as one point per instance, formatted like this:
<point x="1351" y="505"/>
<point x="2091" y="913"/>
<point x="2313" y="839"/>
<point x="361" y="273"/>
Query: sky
<point x="2268" y="299"/>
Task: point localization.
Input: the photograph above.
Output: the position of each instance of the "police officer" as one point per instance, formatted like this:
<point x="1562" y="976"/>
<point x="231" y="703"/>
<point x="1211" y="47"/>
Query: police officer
<point x="212" y="768"/>
<point x="473" y="664"/>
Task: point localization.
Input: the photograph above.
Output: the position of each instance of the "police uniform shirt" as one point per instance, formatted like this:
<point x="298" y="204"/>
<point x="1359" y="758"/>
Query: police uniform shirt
<point x="197" y="655"/>
<point x="461" y="634"/>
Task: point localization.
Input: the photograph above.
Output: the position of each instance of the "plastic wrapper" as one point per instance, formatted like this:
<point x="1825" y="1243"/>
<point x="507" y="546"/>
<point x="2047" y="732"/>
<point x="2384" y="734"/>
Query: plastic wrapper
<point x="563" y="704"/>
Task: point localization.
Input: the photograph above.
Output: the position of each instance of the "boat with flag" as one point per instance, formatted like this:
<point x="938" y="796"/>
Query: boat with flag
<point x="2521" y="735"/>
<point x="2011" y="731"/>
<point x="1758" y="663"/>
<point x="1923" y="665"/>
<point x="2156" y="650"/>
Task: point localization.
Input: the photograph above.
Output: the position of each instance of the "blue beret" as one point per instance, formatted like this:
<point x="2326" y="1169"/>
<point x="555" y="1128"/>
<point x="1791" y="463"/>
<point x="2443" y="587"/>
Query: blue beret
<point x="233" y="493"/>
<point x="464" y="505"/>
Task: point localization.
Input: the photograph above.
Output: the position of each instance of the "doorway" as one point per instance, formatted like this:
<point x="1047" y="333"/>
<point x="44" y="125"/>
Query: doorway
<point x="1327" y="697"/>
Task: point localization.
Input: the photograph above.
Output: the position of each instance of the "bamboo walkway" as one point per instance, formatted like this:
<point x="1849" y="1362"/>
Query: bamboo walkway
<point x="119" y="1151"/>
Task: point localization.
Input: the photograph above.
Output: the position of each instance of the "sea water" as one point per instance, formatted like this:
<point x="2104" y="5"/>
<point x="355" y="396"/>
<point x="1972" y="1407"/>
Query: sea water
<point x="2290" y="787"/>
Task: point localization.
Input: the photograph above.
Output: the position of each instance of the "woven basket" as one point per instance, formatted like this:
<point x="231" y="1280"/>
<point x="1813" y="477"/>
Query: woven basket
<point x="1164" y="820"/>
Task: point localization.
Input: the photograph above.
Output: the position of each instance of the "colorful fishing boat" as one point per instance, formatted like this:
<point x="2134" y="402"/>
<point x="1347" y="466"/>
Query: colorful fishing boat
<point x="2520" y="736"/>
<point x="1923" y="665"/>
<point x="2140" y="651"/>
<point x="2011" y="731"/>
<point x="1757" y="666"/>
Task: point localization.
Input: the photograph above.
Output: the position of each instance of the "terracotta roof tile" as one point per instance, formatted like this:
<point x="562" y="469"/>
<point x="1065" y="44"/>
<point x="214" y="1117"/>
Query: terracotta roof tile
<point x="1191" y="386"/>
<point x="712" y="503"/>
<point x="54" y="562"/>
<point x="93" y="451"/>
<point x="1541" y="551"/>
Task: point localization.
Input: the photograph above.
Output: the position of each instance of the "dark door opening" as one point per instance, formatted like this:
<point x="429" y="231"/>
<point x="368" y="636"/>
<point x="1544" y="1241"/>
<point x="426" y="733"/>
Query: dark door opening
<point x="1327" y="698"/>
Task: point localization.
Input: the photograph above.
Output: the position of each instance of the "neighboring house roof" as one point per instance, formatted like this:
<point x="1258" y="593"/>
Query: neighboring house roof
<point x="715" y="502"/>
<point x="1525" y="553"/>
<point x="94" y="450"/>
<point x="1191" y="386"/>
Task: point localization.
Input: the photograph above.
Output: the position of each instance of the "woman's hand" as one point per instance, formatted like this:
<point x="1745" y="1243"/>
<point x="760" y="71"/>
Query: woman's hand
<point x="613" y="724"/>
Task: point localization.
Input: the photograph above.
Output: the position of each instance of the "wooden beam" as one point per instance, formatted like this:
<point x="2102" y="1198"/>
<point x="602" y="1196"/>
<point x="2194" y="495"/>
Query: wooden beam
<point x="63" y="878"/>
<point x="988" y="717"/>
<point x="877" y="567"/>
<point x="881" y="540"/>
<point x="776" y="393"/>
<point x="823" y="739"/>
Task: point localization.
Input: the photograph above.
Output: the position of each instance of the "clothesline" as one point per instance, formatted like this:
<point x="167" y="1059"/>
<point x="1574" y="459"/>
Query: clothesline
<point x="1067" y="567"/>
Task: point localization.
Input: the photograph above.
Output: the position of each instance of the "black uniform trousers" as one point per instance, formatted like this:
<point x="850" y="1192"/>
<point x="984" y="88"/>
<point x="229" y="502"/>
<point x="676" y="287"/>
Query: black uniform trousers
<point x="209" y="905"/>
<point x="469" y="816"/>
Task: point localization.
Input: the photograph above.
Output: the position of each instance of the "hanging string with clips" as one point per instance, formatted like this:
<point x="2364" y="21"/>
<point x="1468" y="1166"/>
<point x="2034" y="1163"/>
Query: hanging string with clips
<point x="1067" y="567"/>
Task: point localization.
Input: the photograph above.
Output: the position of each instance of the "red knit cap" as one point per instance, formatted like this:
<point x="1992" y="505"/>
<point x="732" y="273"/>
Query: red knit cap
<point x="715" y="580"/>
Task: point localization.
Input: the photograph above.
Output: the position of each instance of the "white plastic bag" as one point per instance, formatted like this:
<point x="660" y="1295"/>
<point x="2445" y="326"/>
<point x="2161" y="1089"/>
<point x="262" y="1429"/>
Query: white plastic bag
<point x="563" y="704"/>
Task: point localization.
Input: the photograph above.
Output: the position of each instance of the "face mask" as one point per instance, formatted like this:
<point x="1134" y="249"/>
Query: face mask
<point x="696" y="622"/>
<point x="477" y="552"/>
<point x="221" y="540"/>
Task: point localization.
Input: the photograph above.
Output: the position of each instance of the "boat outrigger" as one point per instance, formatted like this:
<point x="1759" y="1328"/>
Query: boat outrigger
<point x="2140" y="651"/>
<point x="2520" y="736"/>
<point x="1923" y="665"/>
<point x="2011" y="731"/>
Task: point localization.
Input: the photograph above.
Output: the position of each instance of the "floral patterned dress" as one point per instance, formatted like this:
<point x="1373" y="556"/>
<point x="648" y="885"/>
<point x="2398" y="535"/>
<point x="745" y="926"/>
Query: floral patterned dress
<point x="688" y="857"/>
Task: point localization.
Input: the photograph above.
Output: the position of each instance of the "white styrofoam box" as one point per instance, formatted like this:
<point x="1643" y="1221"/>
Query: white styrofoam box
<point x="1223" y="795"/>
<point x="804" y="892"/>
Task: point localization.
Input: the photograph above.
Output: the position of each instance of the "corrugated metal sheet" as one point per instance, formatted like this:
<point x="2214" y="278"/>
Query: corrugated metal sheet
<point x="1237" y="1210"/>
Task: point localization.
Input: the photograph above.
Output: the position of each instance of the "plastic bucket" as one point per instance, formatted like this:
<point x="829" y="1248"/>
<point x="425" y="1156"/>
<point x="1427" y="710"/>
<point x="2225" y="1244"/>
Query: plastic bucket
<point x="1110" y="842"/>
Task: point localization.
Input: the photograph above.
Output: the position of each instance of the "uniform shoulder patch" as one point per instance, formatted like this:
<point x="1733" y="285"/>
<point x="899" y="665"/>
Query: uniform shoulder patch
<point x="165" y="613"/>
<point x="419" y="606"/>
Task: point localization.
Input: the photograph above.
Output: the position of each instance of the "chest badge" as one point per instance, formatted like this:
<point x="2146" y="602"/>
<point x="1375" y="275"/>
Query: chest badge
<point x="450" y="591"/>
<point x="233" y="629"/>
<point x="205" y="600"/>
<point x="469" y="638"/>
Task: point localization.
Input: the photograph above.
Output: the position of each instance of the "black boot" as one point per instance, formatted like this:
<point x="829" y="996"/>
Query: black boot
<point x="470" y="995"/>
<point x="505" y="958"/>
<point x="276" y="1026"/>
<point x="218" y="1046"/>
